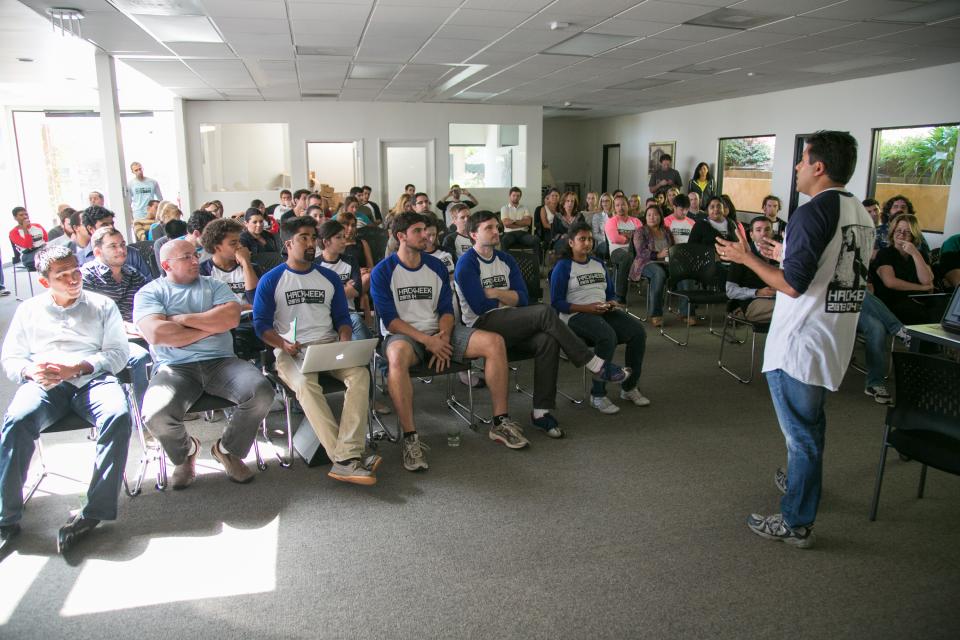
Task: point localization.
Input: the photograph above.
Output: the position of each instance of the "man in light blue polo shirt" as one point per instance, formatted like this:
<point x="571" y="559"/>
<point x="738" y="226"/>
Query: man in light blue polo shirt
<point x="142" y="191"/>
<point x="187" y="319"/>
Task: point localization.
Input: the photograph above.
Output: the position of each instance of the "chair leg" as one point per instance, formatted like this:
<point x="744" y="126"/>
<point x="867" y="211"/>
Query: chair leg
<point x="876" y="489"/>
<point x="923" y="481"/>
<point x="458" y="408"/>
<point x="733" y="322"/>
<point x="666" y="335"/>
<point x="31" y="488"/>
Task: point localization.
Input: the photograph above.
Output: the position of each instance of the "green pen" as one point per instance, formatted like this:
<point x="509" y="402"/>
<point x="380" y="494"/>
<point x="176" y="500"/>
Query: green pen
<point x="294" y="330"/>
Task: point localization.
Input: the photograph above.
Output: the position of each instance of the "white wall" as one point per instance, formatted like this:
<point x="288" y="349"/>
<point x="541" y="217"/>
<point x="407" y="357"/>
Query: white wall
<point x="573" y="149"/>
<point x="366" y="121"/>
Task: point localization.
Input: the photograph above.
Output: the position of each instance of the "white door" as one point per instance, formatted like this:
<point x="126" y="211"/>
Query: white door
<point x="404" y="162"/>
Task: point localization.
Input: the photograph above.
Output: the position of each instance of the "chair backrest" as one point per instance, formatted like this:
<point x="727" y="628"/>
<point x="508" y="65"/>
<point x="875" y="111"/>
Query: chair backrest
<point x="531" y="274"/>
<point x="145" y="249"/>
<point x="376" y="238"/>
<point x="928" y="394"/>
<point x="692" y="262"/>
<point x="267" y="260"/>
<point x="16" y="253"/>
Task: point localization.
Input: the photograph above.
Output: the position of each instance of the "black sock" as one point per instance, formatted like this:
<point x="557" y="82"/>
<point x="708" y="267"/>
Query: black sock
<point x="407" y="434"/>
<point x="498" y="419"/>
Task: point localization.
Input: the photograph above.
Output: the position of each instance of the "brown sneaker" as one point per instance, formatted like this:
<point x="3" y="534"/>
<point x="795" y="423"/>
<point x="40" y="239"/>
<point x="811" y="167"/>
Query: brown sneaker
<point x="235" y="468"/>
<point x="186" y="472"/>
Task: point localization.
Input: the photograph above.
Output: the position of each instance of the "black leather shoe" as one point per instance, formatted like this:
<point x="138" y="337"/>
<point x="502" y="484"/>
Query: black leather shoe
<point x="7" y="533"/>
<point x="72" y="532"/>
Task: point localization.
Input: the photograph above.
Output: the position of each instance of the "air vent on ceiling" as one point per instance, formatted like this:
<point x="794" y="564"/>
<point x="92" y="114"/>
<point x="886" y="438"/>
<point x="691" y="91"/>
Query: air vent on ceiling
<point x="733" y="19"/>
<point x="642" y="83"/>
<point x="160" y="7"/>
<point x="325" y="51"/>
<point x="321" y="95"/>
<point x="698" y="70"/>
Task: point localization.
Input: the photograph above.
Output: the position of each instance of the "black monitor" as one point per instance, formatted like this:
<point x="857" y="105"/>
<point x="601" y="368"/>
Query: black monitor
<point x="951" y="317"/>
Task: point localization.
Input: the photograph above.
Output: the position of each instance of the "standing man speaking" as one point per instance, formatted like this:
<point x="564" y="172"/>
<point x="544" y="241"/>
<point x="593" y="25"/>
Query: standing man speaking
<point x="820" y="288"/>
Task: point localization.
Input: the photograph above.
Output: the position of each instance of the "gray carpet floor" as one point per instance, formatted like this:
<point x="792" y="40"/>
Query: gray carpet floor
<point x="630" y="527"/>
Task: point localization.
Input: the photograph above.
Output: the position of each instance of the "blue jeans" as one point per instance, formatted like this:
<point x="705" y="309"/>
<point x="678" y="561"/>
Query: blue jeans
<point x="799" y="408"/>
<point x="657" y="276"/>
<point x="360" y="330"/>
<point x="604" y="333"/>
<point x="876" y="322"/>
<point x="101" y="402"/>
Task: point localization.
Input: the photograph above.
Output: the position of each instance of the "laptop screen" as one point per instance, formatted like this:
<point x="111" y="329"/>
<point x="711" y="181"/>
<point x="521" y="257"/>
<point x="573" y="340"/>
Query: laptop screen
<point x="951" y="318"/>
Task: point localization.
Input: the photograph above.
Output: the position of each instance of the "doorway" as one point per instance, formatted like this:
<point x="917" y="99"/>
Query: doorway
<point x="610" y="179"/>
<point x="404" y="162"/>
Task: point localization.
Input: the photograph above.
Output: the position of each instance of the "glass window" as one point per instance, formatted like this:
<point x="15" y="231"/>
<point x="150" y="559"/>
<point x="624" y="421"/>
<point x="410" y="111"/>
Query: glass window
<point x="746" y="170"/>
<point x="916" y="162"/>
<point x="333" y="163"/>
<point x="245" y="157"/>
<point x="492" y="156"/>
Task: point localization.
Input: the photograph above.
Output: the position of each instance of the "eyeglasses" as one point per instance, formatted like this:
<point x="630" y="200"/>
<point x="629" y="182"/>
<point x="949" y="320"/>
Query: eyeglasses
<point x="189" y="256"/>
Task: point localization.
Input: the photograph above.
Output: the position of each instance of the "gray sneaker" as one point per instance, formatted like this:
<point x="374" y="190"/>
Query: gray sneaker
<point x="413" y="458"/>
<point x="780" y="479"/>
<point x="774" y="528"/>
<point x="352" y="471"/>
<point x="509" y="434"/>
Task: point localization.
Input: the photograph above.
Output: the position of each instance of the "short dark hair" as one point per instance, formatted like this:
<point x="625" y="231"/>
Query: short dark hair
<point x="479" y="217"/>
<point x="418" y="194"/>
<point x="456" y="208"/>
<point x="17" y="210"/>
<point x="50" y="254"/>
<point x="285" y="192"/>
<point x="515" y="190"/>
<point x="366" y="188"/>
<point x="175" y="228"/>
<point x="256" y="203"/>
<point x="76" y="218"/>
<point x="300" y="192"/>
<point x="710" y="200"/>
<point x="198" y="220"/>
<point x="355" y="190"/>
<point x="403" y="221"/>
<point x="409" y="185"/>
<point x="760" y="219"/>
<point x="217" y="231"/>
<point x="566" y="251"/>
<point x="837" y="150"/>
<point x="252" y="211"/>
<point x="328" y="230"/>
<point x="433" y="221"/>
<point x="666" y="156"/>
<point x="769" y="198"/>
<point x="314" y="207"/>
<point x="65" y="214"/>
<point x="681" y="201"/>
<point x="290" y="226"/>
<point x="150" y="203"/>
<point x="314" y="194"/>
<point x="101" y="233"/>
<point x="93" y="215"/>
<point x="870" y="202"/>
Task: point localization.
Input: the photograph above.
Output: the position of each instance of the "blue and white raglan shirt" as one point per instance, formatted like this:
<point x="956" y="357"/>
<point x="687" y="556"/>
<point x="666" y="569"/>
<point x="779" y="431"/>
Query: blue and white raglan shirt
<point x="233" y="278"/>
<point x="474" y="274"/>
<point x="446" y="259"/>
<point x="349" y="271"/>
<point x="826" y="253"/>
<point x="575" y="282"/>
<point x="313" y="298"/>
<point x="417" y="296"/>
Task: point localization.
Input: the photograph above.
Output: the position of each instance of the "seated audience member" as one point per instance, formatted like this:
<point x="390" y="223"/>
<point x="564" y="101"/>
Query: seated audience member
<point x="949" y="266"/>
<point x="187" y="319"/>
<point x="591" y="205"/>
<point x="431" y="233"/>
<point x="619" y="233"/>
<point x="633" y="207"/>
<point x="64" y="348"/>
<point x="651" y="244"/>
<point x="411" y="292"/>
<point x="255" y="237"/>
<point x="493" y="297"/>
<point x="331" y="242"/>
<point x="300" y="197"/>
<point x="95" y="199"/>
<point x="771" y="210"/>
<point x="85" y="224"/>
<point x="696" y="204"/>
<point x="171" y="230"/>
<point x="893" y="207"/>
<point x="316" y="212"/>
<point x="299" y="304"/>
<point x="27" y="237"/>
<point x="701" y="184"/>
<point x="456" y="244"/>
<point x="567" y="216"/>
<point x="351" y="205"/>
<point x="705" y="232"/>
<point x="258" y="204"/>
<point x="286" y="203"/>
<point x="903" y="268"/>
<point x="598" y="224"/>
<point x="60" y="234"/>
<point x="357" y="250"/>
<point x="404" y="203"/>
<point x="754" y="299"/>
<point x="664" y="177"/>
<point x="680" y="223"/>
<point x="544" y="214"/>
<point x="373" y="209"/>
<point x="517" y="223"/>
<point x="456" y="195"/>
<point x="730" y="213"/>
<point x="583" y="296"/>
<point x="215" y="207"/>
<point x="196" y="223"/>
<point x="410" y="190"/>
<point x="169" y="212"/>
<point x="875" y="323"/>
<point x="109" y="275"/>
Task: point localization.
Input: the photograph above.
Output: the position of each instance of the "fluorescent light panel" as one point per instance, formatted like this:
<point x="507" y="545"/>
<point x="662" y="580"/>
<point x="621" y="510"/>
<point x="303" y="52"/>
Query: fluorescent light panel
<point x="733" y="19"/>
<point x="180" y="28"/>
<point x="588" y="44"/>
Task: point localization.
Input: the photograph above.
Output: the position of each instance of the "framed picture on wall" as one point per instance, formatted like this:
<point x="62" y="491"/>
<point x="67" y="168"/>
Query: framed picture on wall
<point x="658" y="149"/>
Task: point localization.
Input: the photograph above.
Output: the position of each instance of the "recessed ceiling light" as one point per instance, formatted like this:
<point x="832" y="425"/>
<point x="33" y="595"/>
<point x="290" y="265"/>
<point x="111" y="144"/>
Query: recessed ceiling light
<point x="751" y="73"/>
<point x="24" y="59"/>
<point x="555" y="25"/>
<point x="732" y="19"/>
<point x="588" y="44"/>
<point x="374" y="71"/>
<point x="180" y="28"/>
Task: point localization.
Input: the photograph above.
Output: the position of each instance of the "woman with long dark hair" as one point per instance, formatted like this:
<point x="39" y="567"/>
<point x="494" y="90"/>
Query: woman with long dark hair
<point x="566" y="217"/>
<point x="652" y="243"/>
<point x="702" y="182"/>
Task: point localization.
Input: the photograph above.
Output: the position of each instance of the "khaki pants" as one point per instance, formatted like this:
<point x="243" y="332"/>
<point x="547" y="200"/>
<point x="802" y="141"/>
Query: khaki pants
<point x="760" y="310"/>
<point x="346" y="440"/>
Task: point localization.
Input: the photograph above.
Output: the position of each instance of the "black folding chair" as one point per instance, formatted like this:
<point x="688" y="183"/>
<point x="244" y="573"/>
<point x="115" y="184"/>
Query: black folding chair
<point x="267" y="260"/>
<point x="19" y="267"/>
<point x="530" y="269"/>
<point x="376" y="238"/>
<point x="924" y="424"/>
<point x="145" y="249"/>
<point x="693" y="262"/>
<point x="732" y="321"/>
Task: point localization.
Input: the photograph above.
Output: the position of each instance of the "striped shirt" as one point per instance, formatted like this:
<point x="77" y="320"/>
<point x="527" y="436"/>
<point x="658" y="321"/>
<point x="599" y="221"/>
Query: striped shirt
<point x="98" y="277"/>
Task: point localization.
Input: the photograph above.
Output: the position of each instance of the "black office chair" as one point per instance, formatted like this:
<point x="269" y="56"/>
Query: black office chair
<point x="267" y="260"/>
<point x="732" y="321"/>
<point x="19" y="267"/>
<point x="376" y="238"/>
<point x="924" y="424"/>
<point x="530" y="269"/>
<point x="693" y="262"/>
<point x="145" y="249"/>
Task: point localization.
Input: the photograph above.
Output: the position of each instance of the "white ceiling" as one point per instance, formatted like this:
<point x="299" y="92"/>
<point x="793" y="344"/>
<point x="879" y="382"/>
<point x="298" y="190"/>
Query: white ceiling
<point x="493" y="51"/>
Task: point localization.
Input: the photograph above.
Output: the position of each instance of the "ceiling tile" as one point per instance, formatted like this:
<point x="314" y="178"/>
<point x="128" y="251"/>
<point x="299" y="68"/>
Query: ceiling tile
<point x="245" y="8"/>
<point x="860" y="9"/>
<point x="355" y="12"/>
<point x="252" y="26"/>
<point x="661" y="11"/>
<point x="802" y="26"/>
<point x="202" y="50"/>
<point x="483" y="18"/>
<point x="621" y="27"/>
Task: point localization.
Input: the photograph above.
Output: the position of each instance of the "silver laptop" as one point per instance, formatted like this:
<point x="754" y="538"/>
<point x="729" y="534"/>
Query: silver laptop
<point x="337" y="355"/>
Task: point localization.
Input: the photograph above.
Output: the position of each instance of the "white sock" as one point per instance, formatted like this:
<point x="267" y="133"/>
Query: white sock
<point x="220" y="447"/>
<point x="595" y="365"/>
<point x="539" y="413"/>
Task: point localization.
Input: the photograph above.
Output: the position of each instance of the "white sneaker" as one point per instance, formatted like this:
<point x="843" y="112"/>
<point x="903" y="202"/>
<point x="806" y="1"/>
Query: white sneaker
<point x="603" y="405"/>
<point x="635" y="397"/>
